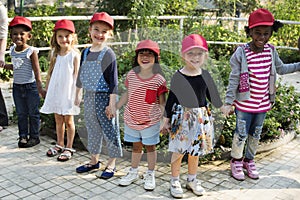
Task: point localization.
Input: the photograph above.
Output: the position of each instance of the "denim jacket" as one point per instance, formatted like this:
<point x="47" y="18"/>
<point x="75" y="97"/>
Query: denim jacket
<point x="238" y="62"/>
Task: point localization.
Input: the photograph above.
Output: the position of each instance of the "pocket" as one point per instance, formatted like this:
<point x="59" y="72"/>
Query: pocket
<point x="244" y="82"/>
<point x="150" y="96"/>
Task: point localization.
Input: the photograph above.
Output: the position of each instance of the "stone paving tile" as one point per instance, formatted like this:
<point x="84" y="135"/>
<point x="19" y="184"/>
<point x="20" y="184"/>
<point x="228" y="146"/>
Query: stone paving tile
<point x="30" y="174"/>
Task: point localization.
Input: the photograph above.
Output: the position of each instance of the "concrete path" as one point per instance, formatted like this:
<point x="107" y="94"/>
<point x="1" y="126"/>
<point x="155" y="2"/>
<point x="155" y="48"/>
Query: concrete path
<point x="30" y="174"/>
<point x="292" y="79"/>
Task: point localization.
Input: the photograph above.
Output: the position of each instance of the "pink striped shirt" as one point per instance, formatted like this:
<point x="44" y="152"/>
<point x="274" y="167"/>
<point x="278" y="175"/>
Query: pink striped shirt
<point x="259" y="66"/>
<point x="143" y="109"/>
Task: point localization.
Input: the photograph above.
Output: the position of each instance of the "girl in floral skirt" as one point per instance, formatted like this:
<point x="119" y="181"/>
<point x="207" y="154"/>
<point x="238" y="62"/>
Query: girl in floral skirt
<point x="187" y="117"/>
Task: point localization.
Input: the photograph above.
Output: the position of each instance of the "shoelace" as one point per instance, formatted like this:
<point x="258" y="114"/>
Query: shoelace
<point x="148" y="178"/>
<point x="176" y="184"/>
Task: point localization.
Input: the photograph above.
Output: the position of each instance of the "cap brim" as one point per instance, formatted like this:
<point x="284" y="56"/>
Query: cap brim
<point x="262" y="24"/>
<point x="191" y="47"/>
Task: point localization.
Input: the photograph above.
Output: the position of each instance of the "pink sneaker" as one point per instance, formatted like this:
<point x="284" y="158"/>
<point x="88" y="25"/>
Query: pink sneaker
<point x="251" y="169"/>
<point x="237" y="170"/>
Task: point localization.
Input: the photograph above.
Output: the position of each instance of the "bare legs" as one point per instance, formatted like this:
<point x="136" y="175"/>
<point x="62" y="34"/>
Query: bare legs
<point x="176" y="160"/>
<point x="137" y="153"/>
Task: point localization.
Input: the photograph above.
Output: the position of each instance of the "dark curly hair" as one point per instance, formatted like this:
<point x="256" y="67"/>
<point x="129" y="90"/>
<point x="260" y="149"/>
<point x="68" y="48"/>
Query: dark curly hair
<point x="275" y="27"/>
<point x="156" y="67"/>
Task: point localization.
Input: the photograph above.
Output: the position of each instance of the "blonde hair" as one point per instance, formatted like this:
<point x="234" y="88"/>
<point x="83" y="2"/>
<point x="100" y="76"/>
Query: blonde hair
<point x="110" y="31"/>
<point x="55" y="49"/>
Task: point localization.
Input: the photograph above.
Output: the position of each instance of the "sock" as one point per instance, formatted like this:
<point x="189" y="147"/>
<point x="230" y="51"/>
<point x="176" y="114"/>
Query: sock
<point x="175" y="178"/>
<point x="134" y="169"/>
<point x="150" y="171"/>
<point x="246" y="160"/>
<point x="191" y="177"/>
<point x="235" y="159"/>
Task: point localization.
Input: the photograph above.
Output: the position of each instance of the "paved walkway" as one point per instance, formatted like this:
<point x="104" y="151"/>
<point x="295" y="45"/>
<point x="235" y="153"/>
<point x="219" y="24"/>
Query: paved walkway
<point x="30" y="174"/>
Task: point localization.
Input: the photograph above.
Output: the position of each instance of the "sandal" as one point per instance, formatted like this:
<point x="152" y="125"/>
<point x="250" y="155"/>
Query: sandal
<point x="54" y="151"/>
<point x="66" y="154"/>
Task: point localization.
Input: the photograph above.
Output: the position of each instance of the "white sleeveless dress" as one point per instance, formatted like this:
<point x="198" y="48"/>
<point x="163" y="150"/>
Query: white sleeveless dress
<point x="61" y="89"/>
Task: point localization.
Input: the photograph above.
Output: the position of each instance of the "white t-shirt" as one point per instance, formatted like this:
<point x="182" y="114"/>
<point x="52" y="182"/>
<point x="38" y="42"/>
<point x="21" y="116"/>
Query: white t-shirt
<point x="3" y="21"/>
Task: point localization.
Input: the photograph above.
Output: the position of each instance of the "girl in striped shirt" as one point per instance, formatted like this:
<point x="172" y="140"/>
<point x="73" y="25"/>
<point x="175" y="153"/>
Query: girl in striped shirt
<point x="251" y="89"/>
<point x="145" y="98"/>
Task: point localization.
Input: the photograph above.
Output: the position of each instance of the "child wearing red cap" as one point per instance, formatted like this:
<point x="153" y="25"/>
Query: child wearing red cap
<point x="62" y="76"/>
<point x="98" y="76"/>
<point x="145" y="98"/>
<point x="187" y="117"/>
<point x="251" y="89"/>
<point x="27" y="82"/>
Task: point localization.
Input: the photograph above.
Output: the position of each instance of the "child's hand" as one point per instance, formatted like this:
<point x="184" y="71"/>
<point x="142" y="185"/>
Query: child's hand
<point x="107" y="112"/>
<point x="227" y="110"/>
<point x="110" y="112"/>
<point x="2" y="63"/>
<point x="77" y="100"/>
<point x="43" y="93"/>
<point x="166" y="126"/>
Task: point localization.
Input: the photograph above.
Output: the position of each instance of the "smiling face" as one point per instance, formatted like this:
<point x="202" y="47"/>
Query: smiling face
<point x="195" y="57"/>
<point x="64" y="38"/>
<point x="100" y="32"/>
<point x="19" y="35"/>
<point x="146" y="59"/>
<point x="260" y="35"/>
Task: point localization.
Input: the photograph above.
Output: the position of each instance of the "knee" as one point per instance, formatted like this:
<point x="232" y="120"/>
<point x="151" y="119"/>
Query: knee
<point x="150" y="148"/>
<point x="137" y="147"/>
<point x="70" y="125"/>
<point x="241" y="130"/>
<point x="257" y="132"/>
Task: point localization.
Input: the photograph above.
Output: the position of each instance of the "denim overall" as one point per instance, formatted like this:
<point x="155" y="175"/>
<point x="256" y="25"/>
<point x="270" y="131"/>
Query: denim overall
<point x="96" y="98"/>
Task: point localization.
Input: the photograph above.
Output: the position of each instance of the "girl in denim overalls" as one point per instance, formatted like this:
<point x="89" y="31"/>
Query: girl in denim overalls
<point x="99" y="77"/>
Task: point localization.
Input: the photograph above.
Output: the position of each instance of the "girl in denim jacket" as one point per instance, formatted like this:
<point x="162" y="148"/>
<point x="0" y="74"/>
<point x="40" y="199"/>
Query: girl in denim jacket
<point x="251" y="89"/>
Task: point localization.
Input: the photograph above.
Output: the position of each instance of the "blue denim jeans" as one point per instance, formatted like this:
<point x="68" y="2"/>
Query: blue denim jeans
<point x="248" y="129"/>
<point x="27" y="100"/>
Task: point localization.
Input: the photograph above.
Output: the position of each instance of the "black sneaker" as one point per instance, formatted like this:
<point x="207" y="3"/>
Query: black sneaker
<point x="32" y="142"/>
<point x="22" y="142"/>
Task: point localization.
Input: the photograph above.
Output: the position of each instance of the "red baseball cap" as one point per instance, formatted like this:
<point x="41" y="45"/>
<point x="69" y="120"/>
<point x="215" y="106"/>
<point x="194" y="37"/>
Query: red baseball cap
<point x="64" y="24"/>
<point x="19" y="20"/>
<point x="260" y="17"/>
<point x="193" y="41"/>
<point x="148" y="44"/>
<point x="104" y="17"/>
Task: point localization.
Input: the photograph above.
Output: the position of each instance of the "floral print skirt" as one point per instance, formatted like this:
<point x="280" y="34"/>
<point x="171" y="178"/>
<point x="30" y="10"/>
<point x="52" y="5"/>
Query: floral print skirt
<point x="192" y="131"/>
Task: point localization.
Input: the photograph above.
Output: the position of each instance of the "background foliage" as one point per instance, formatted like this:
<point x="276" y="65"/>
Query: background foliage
<point x="144" y="24"/>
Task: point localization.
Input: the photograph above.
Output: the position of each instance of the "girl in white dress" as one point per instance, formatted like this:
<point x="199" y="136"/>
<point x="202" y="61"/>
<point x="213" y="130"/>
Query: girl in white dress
<point x="60" y="86"/>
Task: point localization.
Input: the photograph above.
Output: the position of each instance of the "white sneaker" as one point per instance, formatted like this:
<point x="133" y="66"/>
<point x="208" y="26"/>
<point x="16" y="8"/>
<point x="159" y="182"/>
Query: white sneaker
<point x="176" y="190"/>
<point x="131" y="177"/>
<point x="149" y="181"/>
<point x="196" y="187"/>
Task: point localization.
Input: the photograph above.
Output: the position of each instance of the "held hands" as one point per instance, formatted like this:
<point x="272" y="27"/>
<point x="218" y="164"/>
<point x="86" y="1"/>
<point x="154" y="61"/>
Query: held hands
<point x="110" y="111"/>
<point x="227" y="110"/>
<point x="77" y="100"/>
<point x="166" y="126"/>
<point x="42" y="92"/>
<point x="2" y="63"/>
